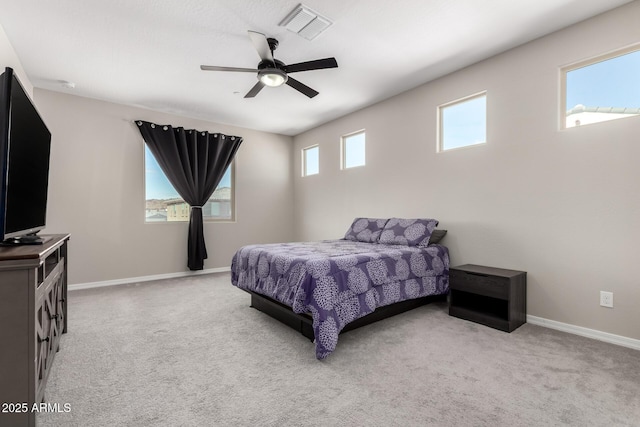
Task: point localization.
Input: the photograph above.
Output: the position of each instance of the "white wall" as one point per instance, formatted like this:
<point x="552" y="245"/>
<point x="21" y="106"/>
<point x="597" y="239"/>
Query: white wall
<point x="561" y="205"/>
<point x="96" y="191"/>
<point x="9" y="58"/>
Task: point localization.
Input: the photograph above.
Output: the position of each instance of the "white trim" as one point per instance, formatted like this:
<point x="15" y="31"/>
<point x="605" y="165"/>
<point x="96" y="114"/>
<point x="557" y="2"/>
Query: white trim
<point x="585" y="332"/>
<point x="343" y="149"/>
<point x="534" y="320"/>
<point x="304" y="152"/>
<point x="147" y="278"/>
<point x="581" y="64"/>
<point x="440" y="121"/>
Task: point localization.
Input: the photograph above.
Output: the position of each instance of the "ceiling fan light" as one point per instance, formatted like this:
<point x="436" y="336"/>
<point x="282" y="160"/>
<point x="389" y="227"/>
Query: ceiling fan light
<point x="272" y="77"/>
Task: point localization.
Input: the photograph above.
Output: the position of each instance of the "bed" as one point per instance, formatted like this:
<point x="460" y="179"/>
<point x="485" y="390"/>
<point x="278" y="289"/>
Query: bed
<point x="380" y="266"/>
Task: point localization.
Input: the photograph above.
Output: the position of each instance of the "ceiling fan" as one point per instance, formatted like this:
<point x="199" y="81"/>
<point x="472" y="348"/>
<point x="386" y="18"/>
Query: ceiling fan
<point x="272" y="72"/>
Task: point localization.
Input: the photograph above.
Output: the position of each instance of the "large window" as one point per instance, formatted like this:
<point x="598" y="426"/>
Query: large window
<point x="463" y="122"/>
<point x="353" y="150"/>
<point x="164" y="204"/>
<point x="310" y="160"/>
<point x="601" y="89"/>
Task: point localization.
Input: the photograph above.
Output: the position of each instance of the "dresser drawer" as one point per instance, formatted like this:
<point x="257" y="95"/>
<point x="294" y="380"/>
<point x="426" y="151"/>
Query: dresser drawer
<point x="478" y="283"/>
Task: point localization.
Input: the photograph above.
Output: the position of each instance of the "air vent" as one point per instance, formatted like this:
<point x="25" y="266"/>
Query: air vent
<point x="305" y="22"/>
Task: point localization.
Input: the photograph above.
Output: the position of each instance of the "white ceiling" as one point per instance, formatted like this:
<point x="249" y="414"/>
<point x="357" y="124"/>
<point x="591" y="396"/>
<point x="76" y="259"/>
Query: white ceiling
<point x="147" y="53"/>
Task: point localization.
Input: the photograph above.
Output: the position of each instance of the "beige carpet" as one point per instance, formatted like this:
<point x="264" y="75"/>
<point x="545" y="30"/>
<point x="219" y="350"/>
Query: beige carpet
<point x="191" y="352"/>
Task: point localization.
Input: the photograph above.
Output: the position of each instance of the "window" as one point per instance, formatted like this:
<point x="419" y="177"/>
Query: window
<point x="310" y="160"/>
<point x="164" y="204"/>
<point x="353" y="150"/>
<point x="601" y="89"/>
<point x="463" y="123"/>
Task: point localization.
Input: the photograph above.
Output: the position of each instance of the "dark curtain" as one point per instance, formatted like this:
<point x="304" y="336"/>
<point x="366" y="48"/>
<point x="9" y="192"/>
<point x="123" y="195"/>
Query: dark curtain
<point x="194" y="162"/>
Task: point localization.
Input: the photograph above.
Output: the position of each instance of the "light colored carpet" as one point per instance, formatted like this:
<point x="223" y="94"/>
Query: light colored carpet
<point x="191" y="352"/>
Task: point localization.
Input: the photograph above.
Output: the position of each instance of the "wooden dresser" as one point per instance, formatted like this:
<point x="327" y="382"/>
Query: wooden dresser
<point x="33" y="316"/>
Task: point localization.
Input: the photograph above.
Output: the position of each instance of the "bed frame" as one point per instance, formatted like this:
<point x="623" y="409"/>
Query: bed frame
<point x="303" y="323"/>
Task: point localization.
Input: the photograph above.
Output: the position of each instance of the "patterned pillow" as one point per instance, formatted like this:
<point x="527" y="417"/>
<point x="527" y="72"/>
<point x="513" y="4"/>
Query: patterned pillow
<point x="408" y="232"/>
<point x="365" y="229"/>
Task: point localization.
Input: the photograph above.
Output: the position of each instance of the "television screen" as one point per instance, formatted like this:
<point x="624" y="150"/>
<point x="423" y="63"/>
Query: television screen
<point x="26" y="143"/>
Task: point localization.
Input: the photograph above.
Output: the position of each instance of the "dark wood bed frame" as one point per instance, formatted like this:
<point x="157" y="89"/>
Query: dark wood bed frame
<point x="303" y="323"/>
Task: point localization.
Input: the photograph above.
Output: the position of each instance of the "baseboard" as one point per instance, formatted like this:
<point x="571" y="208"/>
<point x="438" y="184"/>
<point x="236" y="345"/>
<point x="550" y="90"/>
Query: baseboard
<point x="534" y="320"/>
<point x="129" y="280"/>
<point x="585" y="332"/>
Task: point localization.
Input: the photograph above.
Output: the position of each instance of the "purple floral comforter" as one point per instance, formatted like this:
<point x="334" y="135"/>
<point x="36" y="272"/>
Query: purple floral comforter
<point x="338" y="281"/>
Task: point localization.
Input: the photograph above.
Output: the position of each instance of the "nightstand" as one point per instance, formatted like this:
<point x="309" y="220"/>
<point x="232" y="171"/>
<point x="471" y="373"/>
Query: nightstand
<point x="495" y="297"/>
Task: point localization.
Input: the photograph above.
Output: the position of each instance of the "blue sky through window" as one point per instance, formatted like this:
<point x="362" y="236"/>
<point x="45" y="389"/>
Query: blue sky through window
<point x="611" y="83"/>
<point x="312" y="161"/>
<point x="464" y="123"/>
<point x="354" y="150"/>
<point x="157" y="186"/>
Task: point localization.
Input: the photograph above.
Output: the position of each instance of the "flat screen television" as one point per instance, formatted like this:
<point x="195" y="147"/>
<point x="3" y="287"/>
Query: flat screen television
<point x="25" y="145"/>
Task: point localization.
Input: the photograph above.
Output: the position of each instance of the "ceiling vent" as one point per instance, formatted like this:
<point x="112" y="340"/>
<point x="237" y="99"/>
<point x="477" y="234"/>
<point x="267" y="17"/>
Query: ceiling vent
<point x="305" y="22"/>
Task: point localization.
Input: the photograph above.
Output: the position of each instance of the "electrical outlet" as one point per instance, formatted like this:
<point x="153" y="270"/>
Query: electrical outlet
<point x="606" y="299"/>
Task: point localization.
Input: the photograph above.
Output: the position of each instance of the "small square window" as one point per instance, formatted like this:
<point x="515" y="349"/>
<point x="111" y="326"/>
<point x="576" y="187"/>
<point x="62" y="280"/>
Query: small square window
<point x="602" y="89"/>
<point x="353" y="150"/>
<point x="463" y="123"/>
<point x="311" y="161"/>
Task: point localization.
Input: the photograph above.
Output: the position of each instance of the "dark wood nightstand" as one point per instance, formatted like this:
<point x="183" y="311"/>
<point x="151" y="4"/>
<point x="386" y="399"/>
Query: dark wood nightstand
<point x="492" y="296"/>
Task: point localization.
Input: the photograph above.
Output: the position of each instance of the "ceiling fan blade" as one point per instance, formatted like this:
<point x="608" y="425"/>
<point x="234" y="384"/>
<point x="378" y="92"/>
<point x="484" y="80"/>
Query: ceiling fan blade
<point x="215" y="68"/>
<point x="261" y="44"/>
<point x="301" y="87"/>
<point x="255" y="90"/>
<point x="318" y="64"/>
